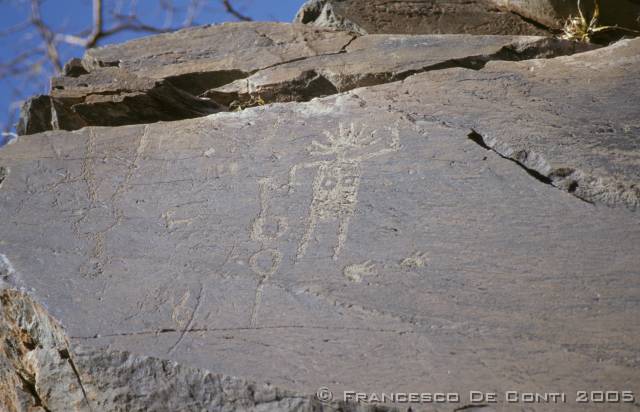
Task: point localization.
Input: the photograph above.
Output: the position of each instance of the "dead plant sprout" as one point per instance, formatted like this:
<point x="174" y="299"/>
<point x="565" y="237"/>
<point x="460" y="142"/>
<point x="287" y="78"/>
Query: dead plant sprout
<point x="586" y="30"/>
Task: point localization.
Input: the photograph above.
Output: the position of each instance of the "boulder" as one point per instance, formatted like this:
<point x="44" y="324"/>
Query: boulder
<point x="462" y="223"/>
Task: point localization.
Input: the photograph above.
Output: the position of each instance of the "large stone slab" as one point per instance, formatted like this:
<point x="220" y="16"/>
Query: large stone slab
<point x="361" y="241"/>
<point x="573" y="121"/>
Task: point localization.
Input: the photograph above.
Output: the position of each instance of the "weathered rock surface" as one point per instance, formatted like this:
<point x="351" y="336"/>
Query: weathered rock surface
<point x="573" y="121"/>
<point x="40" y="371"/>
<point x="416" y="17"/>
<point x="161" y="77"/>
<point x="376" y="59"/>
<point x="364" y="241"/>
<point x="533" y="17"/>
<point x="275" y="62"/>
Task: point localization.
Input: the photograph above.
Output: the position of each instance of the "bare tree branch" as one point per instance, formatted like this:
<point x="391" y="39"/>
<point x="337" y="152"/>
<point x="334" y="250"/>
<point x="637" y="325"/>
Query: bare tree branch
<point x="231" y="10"/>
<point x="19" y="64"/>
<point x="192" y="11"/>
<point x="98" y="23"/>
<point x="28" y="67"/>
<point x="47" y="35"/>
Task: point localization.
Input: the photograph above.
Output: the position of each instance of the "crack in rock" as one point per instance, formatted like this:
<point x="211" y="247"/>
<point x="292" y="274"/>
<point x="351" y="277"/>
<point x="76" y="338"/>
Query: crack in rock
<point x="574" y="181"/>
<point x="316" y="77"/>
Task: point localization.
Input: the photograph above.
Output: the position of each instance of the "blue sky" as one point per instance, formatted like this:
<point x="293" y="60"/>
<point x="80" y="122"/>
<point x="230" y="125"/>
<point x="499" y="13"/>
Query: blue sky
<point x="74" y="16"/>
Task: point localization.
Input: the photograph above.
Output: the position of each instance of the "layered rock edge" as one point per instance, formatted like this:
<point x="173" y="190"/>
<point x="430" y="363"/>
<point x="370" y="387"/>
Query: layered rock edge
<point x="138" y="82"/>
<point x="40" y="370"/>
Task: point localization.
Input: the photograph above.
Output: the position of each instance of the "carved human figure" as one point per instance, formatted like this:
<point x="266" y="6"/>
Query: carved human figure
<point x="337" y="180"/>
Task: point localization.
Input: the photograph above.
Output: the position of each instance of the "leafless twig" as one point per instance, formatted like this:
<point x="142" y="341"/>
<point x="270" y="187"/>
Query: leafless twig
<point x="35" y="63"/>
<point x="231" y="10"/>
<point x="48" y="36"/>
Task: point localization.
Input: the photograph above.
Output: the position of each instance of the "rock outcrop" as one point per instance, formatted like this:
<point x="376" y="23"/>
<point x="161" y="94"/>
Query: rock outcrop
<point x="532" y="17"/>
<point x="139" y="83"/>
<point x="366" y="213"/>
<point x="143" y="83"/>
<point x="416" y="17"/>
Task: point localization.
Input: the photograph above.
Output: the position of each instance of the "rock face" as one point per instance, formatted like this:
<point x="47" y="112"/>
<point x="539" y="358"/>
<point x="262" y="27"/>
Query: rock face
<point x="535" y="17"/>
<point x="142" y="82"/>
<point x="553" y="13"/>
<point x="40" y="371"/>
<point x="367" y="62"/>
<point x="139" y="83"/>
<point x="416" y="17"/>
<point x="442" y="220"/>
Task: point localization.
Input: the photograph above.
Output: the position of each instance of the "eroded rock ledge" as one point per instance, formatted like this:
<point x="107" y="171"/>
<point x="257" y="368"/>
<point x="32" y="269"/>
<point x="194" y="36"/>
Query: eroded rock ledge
<point x="195" y="72"/>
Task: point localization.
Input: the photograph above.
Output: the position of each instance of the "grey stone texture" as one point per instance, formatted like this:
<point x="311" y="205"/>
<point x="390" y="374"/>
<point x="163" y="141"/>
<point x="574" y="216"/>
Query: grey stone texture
<point x="41" y="371"/>
<point x="461" y="222"/>
<point x="416" y="17"/>
<point x="140" y="82"/>
<point x="532" y="17"/>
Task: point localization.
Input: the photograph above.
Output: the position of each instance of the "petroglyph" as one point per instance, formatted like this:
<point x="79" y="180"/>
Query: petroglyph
<point x="415" y="261"/>
<point x="170" y="222"/>
<point x="8" y="275"/>
<point x="357" y="272"/>
<point x="337" y="180"/>
<point x="265" y="227"/>
<point x="180" y="313"/>
<point x="265" y="262"/>
<point x="98" y="258"/>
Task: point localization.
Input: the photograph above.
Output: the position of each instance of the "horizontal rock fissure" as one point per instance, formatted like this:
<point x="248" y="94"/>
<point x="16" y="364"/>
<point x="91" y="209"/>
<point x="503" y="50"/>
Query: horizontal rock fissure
<point x="318" y="82"/>
<point x="238" y="329"/>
